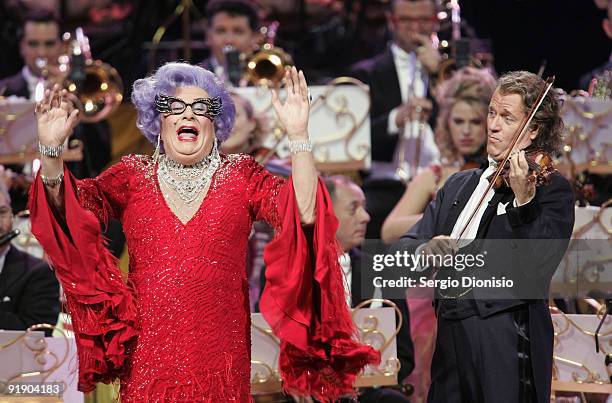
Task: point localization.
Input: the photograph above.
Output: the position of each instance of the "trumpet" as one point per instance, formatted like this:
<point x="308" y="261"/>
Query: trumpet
<point x="97" y="85"/>
<point x="267" y="66"/>
<point x="264" y="67"/>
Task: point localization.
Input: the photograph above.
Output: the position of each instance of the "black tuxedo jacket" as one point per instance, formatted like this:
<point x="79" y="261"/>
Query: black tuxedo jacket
<point x="14" y="85"/>
<point x="29" y="292"/>
<point x="405" y="347"/>
<point x="549" y="216"/>
<point x="380" y="74"/>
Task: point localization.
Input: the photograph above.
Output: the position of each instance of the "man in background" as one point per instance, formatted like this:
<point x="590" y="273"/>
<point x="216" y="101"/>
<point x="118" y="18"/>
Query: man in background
<point x="40" y="47"/>
<point x="349" y="206"/>
<point x="232" y="24"/>
<point x="29" y="291"/>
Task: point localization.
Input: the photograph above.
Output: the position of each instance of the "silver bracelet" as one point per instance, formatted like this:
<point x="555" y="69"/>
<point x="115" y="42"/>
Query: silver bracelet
<point x="298" y="146"/>
<point x="53" y="181"/>
<point x="50" y="151"/>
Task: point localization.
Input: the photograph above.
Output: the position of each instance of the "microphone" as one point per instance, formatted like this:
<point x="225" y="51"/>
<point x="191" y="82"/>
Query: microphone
<point x="6" y="238"/>
<point x="233" y="64"/>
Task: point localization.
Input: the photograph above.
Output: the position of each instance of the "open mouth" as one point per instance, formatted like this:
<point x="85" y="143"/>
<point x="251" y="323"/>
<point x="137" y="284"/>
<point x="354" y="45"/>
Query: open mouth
<point x="187" y="133"/>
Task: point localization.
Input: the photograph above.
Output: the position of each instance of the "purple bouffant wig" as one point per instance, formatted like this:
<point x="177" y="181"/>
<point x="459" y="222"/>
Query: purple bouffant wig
<point x="165" y="80"/>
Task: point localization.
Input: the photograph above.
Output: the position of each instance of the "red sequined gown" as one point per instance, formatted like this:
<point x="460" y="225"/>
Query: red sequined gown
<point x="180" y="329"/>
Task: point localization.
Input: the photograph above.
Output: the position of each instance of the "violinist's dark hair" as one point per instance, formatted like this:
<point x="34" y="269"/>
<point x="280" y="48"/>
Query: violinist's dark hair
<point x="547" y="119"/>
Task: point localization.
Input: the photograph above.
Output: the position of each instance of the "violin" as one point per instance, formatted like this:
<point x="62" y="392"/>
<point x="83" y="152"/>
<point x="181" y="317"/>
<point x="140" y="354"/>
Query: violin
<point x="539" y="172"/>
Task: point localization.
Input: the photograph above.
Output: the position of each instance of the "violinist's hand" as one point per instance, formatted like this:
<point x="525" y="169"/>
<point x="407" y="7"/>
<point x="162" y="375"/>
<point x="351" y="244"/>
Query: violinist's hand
<point x="427" y="54"/>
<point x="441" y="245"/>
<point x="523" y="189"/>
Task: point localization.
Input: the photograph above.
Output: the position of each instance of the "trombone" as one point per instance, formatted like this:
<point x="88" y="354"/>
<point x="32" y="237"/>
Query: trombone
<point x="264" y="67"/>
<point x="96" y="85"/>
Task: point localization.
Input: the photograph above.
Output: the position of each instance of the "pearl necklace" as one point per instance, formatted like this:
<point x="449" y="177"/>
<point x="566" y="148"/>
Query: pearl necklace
<point x="188" y="180"/>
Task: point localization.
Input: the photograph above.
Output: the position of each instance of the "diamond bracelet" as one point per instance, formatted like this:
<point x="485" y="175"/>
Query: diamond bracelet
<point x="50" y="151"/>
<point x="297" y="146"/>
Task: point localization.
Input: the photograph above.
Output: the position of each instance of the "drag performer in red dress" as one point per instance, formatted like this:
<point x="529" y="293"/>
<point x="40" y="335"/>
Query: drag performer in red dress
<point x="179" y="329"/>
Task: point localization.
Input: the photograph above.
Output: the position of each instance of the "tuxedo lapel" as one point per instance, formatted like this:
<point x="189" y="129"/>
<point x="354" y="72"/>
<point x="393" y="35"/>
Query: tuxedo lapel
<point x="14" y="268"/>
<point x="355" y="255"/>
<point x="502" y="195"/>
<point x="388" y="81"/>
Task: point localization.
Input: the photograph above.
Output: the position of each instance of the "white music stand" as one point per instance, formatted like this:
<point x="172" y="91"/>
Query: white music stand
<point x="577" y="367"/>
<point x="339" y="123"/>
<point x="377" y="327"/>
<point x="18" y="131"/>
<point x="587" y="144"/>
<point x="587" y="264"/>
<point x="29" y="357"/>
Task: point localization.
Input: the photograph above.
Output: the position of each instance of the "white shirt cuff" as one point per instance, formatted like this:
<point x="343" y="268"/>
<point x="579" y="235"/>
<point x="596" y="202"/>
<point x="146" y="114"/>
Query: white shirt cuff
<point x="392" y="128"/>
<point x="515" y="203"/>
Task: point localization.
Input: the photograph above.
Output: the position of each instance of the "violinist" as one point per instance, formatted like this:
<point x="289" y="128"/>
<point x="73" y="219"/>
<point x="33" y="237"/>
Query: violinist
<point x="490" y="349"/>
<point x="461" y="136"/>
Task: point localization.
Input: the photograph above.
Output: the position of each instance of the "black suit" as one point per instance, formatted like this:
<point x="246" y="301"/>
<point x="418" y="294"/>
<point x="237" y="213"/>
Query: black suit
<point x="380" y="74"/>
<point x="385" y="94"/>
<point x="14" y="85"/>
<point x="478" y="342"/>
<point x="29" y="292"/>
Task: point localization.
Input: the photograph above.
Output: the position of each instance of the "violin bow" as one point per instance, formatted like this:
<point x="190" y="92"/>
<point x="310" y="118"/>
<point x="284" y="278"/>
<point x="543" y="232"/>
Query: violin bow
<point x="517" y="135"/>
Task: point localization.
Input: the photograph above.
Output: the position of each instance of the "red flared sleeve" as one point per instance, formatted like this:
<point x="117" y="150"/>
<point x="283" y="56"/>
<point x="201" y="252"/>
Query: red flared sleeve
<point x="304" y="303"/>
<point x="101" y="305"/>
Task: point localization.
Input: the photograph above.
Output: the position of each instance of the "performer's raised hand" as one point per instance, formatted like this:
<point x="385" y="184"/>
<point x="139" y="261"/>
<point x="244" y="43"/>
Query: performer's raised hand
<point x="293" y="113"/>
<point x="56" y="117"/>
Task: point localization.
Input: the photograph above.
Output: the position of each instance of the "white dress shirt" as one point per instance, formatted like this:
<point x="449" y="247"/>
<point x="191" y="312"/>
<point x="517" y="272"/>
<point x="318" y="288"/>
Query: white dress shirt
<point x="470" y="233"/>
<point x="31" y="80"/>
